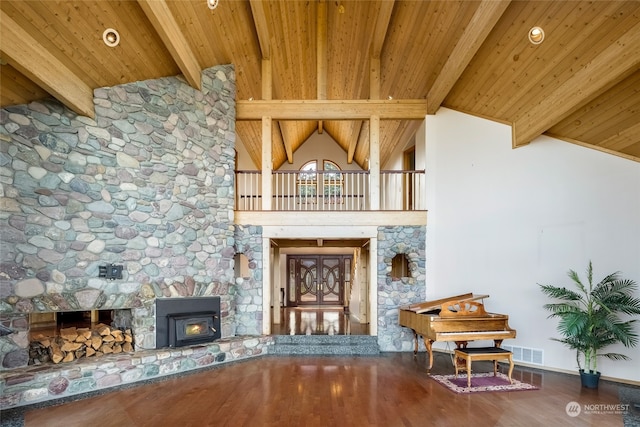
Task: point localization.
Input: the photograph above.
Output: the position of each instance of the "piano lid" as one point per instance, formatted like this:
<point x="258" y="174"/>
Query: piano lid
<point x="423" y="307"/>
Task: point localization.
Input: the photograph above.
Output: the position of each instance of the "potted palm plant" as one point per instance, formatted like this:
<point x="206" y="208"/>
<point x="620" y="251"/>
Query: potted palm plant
<point x="590" y="319"/>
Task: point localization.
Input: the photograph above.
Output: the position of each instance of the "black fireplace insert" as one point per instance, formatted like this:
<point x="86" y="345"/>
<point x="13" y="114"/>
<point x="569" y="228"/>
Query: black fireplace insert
<point x="186" y="321"/>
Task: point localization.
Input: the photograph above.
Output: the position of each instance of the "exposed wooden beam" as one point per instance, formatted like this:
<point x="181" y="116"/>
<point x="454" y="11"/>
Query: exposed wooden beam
<point x="267" y="81"/>
<point x="267" y="163"/>
<point x="29" y="57"/>
<point x="382" y="25"/>
<point x="167" y="28"/>
<point x="481" y="24"/>
<point x="308" y="243"/>
<point x="361" y="109"/>
<point x="287" y="147"/>
<point x="374" y="162"/>
<point x="619" y="60"/>
<point x="262" y="27"/>
<point x="363" y="135"/>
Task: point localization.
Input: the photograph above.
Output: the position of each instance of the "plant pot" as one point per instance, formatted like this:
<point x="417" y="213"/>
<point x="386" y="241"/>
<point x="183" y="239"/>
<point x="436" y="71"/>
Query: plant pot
<point x="589" y="379"/>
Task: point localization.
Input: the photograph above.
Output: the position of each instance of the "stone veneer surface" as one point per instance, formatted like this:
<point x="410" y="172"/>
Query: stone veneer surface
<point x="147" y="184"/>
<point x="392" y="294"/>
<point x="34" y="384"/>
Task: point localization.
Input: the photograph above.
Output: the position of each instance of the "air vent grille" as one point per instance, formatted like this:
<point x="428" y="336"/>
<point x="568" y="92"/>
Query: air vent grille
<point x="534" y="356"/>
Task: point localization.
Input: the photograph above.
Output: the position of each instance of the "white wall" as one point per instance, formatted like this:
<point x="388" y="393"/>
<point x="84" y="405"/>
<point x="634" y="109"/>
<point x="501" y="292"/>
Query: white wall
<point x="502" y="220"/>
<point x="320" y="146"/>
<point x="243" y="160"/>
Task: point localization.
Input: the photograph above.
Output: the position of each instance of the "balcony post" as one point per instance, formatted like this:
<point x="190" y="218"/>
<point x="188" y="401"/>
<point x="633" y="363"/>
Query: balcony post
<point x="267" y="164"/>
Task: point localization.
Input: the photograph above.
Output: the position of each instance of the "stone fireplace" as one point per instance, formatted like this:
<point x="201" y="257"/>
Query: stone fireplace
<point x="148" y="185"/>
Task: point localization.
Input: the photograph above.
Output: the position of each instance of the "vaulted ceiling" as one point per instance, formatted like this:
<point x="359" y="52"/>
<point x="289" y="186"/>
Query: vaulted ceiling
<point x="328" y="65"/>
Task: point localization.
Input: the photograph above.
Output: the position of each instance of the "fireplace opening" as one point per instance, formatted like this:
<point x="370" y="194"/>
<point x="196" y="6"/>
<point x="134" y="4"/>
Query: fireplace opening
<point x="57" y="337"/>
<point x="52" y="322"/>
<point x="192" y="328"/>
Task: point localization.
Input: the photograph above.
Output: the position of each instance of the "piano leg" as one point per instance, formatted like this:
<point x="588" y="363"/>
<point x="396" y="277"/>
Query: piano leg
<point x="497" y="343"/>
<point x="415" y="340"/>
<point x="427" y="344"/>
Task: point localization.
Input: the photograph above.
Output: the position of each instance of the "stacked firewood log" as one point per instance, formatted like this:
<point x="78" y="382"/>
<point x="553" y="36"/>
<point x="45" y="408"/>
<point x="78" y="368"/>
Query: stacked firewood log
<point x="76" y="343"/>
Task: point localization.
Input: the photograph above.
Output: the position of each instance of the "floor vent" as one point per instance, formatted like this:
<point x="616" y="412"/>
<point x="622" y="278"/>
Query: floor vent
<point x="534" y="356"/>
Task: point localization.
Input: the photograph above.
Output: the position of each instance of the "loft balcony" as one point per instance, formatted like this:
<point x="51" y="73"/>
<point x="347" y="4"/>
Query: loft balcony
<point x="395" y="197"/>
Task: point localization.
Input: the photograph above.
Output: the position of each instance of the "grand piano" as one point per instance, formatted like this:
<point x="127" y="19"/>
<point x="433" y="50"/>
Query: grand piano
<point x="460" y="318"/>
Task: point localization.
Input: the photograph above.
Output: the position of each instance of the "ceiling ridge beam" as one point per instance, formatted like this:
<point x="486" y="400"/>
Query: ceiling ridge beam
<point x="33" y="60"/>
<point x="165" y="24"/>
<point x="480" y="25"/>
<point x="360" y="109"/>
<point x="605" y="70"/>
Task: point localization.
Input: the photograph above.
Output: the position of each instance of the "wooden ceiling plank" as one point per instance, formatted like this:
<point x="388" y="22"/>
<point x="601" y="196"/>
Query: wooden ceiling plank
<point x="622" y="140"/>
<point x="29" y="57"/>
<point x="610" y="66"/>
<point x="39" y="20"/>
<point x="167" y="28"/>
<point x="321" y="51"/>
<point x="412" y="109"/>
<point x="483" y="21"/>
<point x="321" y="55"/>
<point x="599" y="25"/>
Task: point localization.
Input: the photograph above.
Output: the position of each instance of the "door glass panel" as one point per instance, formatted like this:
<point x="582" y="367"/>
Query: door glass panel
<point x="292" y="280"/>
<point x="308" y="281"/>
<point x="331" y="280"/>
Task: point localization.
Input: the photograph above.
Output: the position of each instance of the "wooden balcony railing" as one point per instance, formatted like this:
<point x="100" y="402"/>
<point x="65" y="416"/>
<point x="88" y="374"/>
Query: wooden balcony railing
<point x="331" y="191"/>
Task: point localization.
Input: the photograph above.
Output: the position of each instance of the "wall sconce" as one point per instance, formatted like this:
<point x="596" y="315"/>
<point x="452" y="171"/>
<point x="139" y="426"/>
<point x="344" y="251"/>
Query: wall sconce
<point x="111" y="37"/>
<point x="110" y="271"/>
<point x="536" y="35"/>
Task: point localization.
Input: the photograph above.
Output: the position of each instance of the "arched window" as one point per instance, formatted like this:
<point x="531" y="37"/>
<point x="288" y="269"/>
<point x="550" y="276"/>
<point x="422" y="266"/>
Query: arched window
<point x="308" y="179"/>
<point x="332" y="181"/>
<point x="328" y="182"/>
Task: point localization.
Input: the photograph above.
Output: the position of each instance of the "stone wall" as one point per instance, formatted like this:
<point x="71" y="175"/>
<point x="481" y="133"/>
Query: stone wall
<point x="392" y="293"/>
<point x="147" y="184"/>
<point x="249" y="298"/>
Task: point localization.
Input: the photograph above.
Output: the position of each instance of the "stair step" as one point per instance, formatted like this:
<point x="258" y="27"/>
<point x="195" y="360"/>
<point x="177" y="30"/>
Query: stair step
<point x="325" y="345"/>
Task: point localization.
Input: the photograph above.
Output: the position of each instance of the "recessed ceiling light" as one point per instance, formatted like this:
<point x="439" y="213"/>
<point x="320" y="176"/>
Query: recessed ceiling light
<point x="111" y="37"/>
<point x="212" y="4"/>
<point x="536" y="35"/>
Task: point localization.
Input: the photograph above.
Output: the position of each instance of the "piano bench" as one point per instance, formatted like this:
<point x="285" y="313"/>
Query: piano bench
<point x="482" y="353"/>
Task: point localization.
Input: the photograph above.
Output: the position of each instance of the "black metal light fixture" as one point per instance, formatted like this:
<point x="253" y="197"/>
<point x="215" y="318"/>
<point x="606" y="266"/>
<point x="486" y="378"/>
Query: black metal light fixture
<point x="110" y="271"/>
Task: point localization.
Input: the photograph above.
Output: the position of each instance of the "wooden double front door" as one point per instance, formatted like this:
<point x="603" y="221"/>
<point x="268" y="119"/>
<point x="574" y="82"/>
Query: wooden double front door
<point x="318" y="279"/>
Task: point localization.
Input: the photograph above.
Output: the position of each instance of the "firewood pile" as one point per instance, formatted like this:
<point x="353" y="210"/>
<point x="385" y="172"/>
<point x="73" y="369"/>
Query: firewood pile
<point x="76" y="343"/>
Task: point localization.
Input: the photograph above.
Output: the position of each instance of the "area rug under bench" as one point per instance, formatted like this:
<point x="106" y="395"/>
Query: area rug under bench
<point x="482" y="382"/>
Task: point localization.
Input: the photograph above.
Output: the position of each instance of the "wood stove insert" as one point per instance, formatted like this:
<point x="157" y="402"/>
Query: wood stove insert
<point x="186" y="321"/>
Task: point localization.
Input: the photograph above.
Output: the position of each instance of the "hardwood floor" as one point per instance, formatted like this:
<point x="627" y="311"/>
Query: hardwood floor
<point x="317" y="321"/>
<point x="390" y="390"/>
